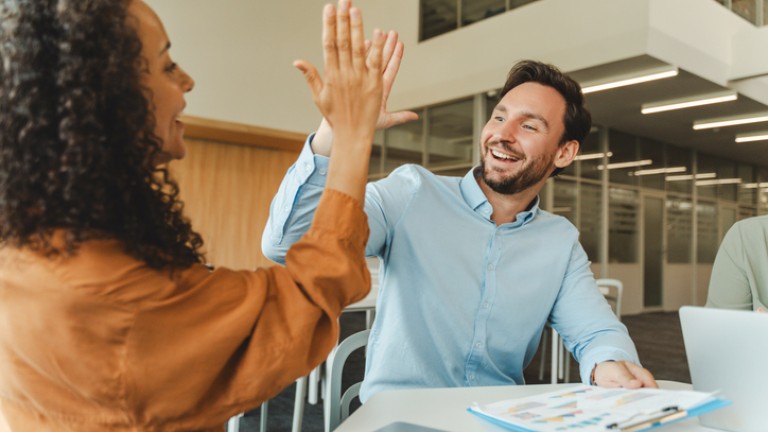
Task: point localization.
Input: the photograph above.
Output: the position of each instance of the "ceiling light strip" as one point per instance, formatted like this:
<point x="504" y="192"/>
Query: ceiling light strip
<point x="659" y="171"/>
<point x="667" y="72"/>
<point x="730" y="121"/>
<point x="758" y="136"/>
<point x="590" y="156"/>
<point x="630" y="164"/>
<point x="688" y="103"/>
<point x="686" y="177"/>
<point x="715" y="182"/>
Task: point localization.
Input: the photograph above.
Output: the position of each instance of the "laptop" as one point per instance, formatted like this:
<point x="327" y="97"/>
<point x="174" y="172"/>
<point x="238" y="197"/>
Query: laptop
<point x="727" y="350"/>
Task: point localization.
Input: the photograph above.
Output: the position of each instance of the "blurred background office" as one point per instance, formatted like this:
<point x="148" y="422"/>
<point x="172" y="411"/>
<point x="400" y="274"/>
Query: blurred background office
<point x="678" y="91"/>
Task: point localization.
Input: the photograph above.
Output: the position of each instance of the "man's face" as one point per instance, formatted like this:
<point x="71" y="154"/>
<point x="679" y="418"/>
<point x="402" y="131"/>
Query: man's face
<point x="519" y="146"/>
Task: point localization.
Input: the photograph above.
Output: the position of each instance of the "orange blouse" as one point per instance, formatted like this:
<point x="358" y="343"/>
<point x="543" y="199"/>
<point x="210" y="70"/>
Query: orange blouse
<point x="99" y="341"/>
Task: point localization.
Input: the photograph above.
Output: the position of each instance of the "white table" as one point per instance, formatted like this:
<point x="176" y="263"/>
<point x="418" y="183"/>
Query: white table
<point x="446" y="408"/>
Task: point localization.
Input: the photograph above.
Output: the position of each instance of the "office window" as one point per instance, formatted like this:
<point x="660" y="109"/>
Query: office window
<point x="677" y="182"/>
<point x="450" y="137"/>
<point x="746" y="9"/>
<point x="653" y="150"/>
<point x="590" y="148"/>
<point x="590" y="219"/>
<point x="564" y="200"/>
<point x="679" y="228"/>
<point x="473" y="11"/>
<point x="438" y="17"/>
<point x="403" y="144"/>
<point x="623" y="149"/>
<point x="623" y="212"/>
<point x="706" y="233"/>
<point x="727" y="170"/>
<point x="706" y="165"/>
<point x="747" y="175"/>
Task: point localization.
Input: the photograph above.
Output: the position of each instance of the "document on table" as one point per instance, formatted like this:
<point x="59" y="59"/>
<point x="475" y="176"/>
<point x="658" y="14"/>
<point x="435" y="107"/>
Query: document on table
<point x="586" y="408"/>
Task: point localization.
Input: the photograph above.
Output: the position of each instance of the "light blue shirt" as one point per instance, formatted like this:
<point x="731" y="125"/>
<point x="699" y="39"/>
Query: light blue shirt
<point x="462" y="301"/>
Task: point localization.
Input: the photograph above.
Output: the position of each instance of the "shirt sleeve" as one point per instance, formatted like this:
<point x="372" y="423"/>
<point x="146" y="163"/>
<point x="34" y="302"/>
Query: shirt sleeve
<point x="729" y="285"/>
<point x="217" y="343"/>
<point x="293" y="207"/>
<point x="585" y="320"/>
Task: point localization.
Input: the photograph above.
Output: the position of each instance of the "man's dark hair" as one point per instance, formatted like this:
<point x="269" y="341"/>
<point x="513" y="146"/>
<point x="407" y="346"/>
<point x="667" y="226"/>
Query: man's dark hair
<point x="77" y="142"/>
<point x="578" y="120"/>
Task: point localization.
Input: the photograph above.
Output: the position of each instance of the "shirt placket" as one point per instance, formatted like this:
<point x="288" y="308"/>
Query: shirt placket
<point x="477" y="352"/>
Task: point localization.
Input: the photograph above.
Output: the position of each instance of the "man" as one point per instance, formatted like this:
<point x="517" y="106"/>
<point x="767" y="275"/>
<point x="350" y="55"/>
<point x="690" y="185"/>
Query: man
<point x="472" y="268"/>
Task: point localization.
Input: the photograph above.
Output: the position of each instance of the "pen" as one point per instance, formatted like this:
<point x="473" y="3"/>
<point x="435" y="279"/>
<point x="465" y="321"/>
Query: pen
<point x="662" y="416"/>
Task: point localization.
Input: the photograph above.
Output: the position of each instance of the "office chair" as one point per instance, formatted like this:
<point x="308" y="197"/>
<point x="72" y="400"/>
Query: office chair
<point x="336" y="403"/>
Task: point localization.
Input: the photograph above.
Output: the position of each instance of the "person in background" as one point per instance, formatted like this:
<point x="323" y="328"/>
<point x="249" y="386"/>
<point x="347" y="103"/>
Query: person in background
<point x="471" y="268"/>
<point x="110" y="319"/>
<point x="740" y="273"/>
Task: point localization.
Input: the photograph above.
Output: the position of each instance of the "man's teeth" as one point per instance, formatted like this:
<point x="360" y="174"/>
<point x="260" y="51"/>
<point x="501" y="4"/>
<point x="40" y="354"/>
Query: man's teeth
<point x="502" y="155"/>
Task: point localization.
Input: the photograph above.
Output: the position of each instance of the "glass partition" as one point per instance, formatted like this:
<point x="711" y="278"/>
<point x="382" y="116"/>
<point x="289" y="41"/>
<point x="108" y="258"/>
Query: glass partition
<point x="622" y="225"/>
<point x="450" y="135"/>
<point x="706" y="214"/>
<point x="679" y="228"/>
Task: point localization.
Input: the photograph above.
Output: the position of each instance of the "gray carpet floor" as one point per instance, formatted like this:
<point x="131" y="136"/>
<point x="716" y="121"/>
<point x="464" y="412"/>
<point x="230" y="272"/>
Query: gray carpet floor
<point x="657" y="336"/>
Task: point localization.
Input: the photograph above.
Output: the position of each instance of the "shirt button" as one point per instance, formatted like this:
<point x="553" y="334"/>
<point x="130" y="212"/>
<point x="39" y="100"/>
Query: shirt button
<point x="470" y="377"/>
<point x="323" y="171"/>
<point x="478" y="344"/>
<point x="490" y="267"/>
<point x="486" y="305"/>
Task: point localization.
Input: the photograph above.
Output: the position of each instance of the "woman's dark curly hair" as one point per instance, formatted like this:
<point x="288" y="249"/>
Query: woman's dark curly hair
<point x="77" y="142"/>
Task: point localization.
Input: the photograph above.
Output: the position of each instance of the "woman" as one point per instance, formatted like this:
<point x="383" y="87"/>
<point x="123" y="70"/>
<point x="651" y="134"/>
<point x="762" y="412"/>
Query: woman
<point x="110" y="320"/>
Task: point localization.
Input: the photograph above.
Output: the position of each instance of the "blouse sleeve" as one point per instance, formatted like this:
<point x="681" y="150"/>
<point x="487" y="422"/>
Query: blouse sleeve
<point x="217" y="343"/>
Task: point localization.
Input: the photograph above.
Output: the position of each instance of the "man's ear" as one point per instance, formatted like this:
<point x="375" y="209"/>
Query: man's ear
<point x="566" y="153"/>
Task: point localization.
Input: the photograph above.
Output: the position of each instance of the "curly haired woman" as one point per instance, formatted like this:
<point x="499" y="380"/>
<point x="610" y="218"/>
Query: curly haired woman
<point x="109" y="318"/>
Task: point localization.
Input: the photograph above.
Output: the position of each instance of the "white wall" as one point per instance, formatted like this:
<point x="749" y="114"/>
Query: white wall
<point x="240" y="51"/>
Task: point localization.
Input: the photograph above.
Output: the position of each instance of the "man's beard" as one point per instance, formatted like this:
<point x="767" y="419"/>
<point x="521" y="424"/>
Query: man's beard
<point x="531" y="173"/>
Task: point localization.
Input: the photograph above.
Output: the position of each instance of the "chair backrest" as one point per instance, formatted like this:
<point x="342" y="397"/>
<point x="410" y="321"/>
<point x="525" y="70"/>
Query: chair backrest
<point x="612" y="290"/>
<point x="336" y="404"/>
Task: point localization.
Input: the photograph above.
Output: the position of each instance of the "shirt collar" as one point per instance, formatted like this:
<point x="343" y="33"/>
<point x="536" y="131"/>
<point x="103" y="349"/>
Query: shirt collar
<point x="476" y="199"/>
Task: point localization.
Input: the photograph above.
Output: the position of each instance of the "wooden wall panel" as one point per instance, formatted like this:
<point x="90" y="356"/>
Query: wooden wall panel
<point x="227" y="189"/>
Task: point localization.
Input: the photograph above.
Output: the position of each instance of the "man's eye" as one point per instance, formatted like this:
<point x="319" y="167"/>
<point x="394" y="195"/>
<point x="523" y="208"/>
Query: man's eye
<point x="530" y="127"/>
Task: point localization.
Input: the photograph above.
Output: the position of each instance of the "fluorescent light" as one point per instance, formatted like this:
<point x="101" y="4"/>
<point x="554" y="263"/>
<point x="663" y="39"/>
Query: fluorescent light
<point x="761" y="185"/>
<point x="630" y="79"/>
<point x="659" y="171"/>
<point x="685" y="177"/>
<point x="700" y="100"/>
<point x="590" y="156"/>
<point x="630" y="164"/>
<point x="730" y="121"/>
<point x="721" y="181"/>
<point x="757" y="136"/>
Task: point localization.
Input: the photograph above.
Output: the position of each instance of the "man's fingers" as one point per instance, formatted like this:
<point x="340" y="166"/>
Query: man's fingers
<point x="330" y="53"/>
<point x="312" y="77"/>
<point x="358" y="38"/>
<point x="641" y="374"/>
<point x="343" y="42"/>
